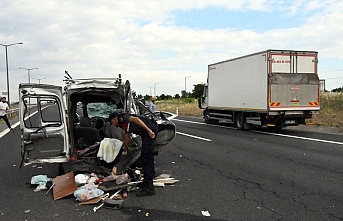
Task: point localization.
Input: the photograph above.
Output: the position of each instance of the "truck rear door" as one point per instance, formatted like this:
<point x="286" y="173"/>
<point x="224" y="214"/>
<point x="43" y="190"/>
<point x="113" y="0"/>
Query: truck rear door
<point x="44" y="137"/>
<point x="293" y="81"/>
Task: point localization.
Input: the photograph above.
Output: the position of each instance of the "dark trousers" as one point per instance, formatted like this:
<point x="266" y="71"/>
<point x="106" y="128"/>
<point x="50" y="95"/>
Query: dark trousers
<point x="147" y="153"/>
<point x="6" y="120"/>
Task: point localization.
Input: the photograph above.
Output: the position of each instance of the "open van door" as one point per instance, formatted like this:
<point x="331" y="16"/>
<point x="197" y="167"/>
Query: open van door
<point x="44" y="134"/>
<point x="166" y="128"/>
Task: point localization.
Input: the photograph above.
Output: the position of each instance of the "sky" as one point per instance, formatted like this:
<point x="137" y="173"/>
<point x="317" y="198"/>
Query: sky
<point x="161" y="47"/>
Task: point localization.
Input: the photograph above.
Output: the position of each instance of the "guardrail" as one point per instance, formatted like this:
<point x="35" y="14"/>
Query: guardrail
<point x="13" y="113"/>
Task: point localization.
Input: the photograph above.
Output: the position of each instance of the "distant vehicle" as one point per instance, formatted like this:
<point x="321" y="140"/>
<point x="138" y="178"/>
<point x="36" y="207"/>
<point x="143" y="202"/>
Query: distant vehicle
<point x="276" y="88"/>
<point x="71" y="122"/>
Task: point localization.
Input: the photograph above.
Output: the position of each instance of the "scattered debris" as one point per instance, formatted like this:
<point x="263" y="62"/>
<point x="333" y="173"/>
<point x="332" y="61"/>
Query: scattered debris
<point x="113" y="204"/>
<point x="94" y="200"/>
<point x="49" y="189"/>
<point x="92" y="189"/>
<point x="103" y="203"/>
<point x="158" y="184"/>
<point x="86" y="193"/>
<point x="27" y="211"/>
<point x="64" y="185"/>
<point x="41" y="181"/>
<point x="81" y="179"/>
<point x="205" y="213"/>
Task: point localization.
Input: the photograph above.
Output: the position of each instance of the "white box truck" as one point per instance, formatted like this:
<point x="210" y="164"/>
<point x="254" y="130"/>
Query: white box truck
<point x="275" y="88"/>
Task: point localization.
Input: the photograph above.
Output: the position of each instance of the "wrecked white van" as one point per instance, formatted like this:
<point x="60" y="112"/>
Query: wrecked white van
<point x="66" y="125"/>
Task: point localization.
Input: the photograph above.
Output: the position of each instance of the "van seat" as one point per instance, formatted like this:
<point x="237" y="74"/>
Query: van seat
<point x="89" y="134"/>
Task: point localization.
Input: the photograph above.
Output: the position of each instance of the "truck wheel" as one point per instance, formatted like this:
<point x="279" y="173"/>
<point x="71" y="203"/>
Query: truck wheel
<point x="239" y="122"/>
<point x="207" y="117"/>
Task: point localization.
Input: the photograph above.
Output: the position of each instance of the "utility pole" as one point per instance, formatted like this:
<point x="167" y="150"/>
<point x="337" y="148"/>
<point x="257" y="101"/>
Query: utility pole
<point x="39" y="79"/>
<point x="155" y="89"/>
<point x="186" y="83"/>
<point x="8" y="79"/>
<point x="28" y="72"/>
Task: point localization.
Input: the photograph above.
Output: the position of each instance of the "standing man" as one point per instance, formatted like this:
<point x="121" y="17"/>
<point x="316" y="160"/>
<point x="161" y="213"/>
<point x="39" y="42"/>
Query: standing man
<point x="3" y="110"/>
<point x="143" y="126"/>
<point x="152" y="105"/>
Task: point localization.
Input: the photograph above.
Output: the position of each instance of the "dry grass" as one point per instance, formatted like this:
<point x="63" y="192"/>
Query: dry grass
<point x="331" y="113"/>
<point x="189" y="108"/>
<point x="331" y="110"/>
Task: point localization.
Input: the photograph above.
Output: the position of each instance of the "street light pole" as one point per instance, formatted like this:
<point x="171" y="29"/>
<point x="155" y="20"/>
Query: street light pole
<point x="186" y="83"/>
<point x="150" y="91"/>
<point x="8" y="80"/>
<point x="28" y="72"/>
<point x="155" y="89"/>
<point x="39" y="79"/>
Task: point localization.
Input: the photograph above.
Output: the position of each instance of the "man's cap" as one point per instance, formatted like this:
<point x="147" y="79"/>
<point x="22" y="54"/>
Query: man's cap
<point x="113" y="115"/>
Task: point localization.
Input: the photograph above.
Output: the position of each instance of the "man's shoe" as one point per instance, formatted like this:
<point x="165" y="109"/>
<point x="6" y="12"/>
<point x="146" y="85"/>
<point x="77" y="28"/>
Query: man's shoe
<point x="11" y="129"/>
<point x="147" y="190"/>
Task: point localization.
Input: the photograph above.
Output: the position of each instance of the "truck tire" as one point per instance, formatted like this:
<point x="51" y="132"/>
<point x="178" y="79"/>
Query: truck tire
<point x="239" y="121"/>
<point x="207" y="117"/>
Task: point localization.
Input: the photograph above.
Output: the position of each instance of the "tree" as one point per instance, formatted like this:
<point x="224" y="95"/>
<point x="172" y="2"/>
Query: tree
<point x="184" y="94"/>
<point x="177" y="96"/>
<point x="340" y="89"/>
<point x="163" y="97"/>
<point x="198" y="90"/>
<point x="147" y="97"/>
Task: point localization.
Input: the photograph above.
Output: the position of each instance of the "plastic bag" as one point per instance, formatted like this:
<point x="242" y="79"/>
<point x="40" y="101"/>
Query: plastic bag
<point x="83" y="195"/>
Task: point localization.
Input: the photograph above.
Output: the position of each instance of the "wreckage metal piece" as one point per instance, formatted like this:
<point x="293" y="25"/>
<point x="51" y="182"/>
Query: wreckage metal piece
<point x="103" y="198"/>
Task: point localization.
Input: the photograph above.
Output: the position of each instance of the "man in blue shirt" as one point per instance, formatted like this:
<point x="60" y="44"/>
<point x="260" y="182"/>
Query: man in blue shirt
<point x="147" y="129"/>
<point x="152" y="105"/>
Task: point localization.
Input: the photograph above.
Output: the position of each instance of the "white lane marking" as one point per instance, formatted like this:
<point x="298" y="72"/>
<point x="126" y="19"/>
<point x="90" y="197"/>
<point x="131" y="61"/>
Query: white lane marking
<point x="200" y="138"/>
<point x="302" y="138"/>
<point x="281" y="135"/>
<point x="212" y="125"/>
<point x="4" y="132"/>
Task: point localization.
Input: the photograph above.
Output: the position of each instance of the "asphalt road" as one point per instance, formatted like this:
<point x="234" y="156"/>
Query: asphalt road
<point x="232" y="174"/>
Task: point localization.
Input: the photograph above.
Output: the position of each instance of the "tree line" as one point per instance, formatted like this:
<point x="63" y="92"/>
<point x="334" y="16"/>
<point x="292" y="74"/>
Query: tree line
<point x="197" y="92"/>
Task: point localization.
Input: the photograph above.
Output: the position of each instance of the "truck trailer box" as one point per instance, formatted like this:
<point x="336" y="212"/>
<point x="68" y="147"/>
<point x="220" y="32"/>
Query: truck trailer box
<point x="274" y="82"/>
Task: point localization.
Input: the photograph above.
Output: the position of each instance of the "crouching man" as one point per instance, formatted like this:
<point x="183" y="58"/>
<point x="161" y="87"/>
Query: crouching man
<point x="145" y="128"/>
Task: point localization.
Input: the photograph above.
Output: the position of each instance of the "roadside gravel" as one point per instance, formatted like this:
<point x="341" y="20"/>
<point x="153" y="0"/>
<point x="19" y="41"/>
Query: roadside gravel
<point x="319" y="129"/>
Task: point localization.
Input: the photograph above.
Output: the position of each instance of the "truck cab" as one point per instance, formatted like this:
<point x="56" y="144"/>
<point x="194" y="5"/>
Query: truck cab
<point x="67" y="124"/>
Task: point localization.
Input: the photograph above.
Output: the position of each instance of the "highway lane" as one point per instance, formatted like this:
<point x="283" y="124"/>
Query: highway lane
<point x="284" y="175"/>
<point x="232" y="174"/>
